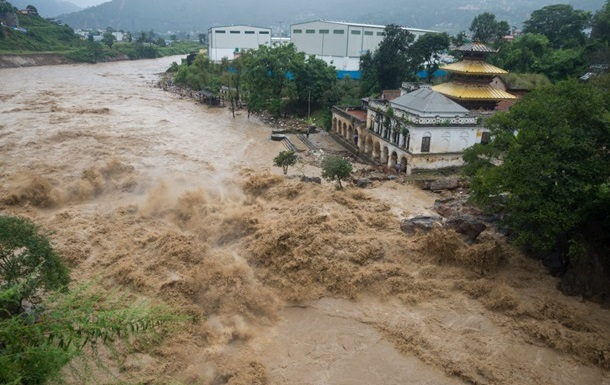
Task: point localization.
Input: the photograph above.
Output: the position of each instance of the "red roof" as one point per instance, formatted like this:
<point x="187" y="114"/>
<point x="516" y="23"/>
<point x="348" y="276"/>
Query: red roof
<point x="358" y="114"/>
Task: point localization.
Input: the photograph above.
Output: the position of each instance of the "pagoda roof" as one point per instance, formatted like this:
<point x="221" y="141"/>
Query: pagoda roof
<point x="463" y="92"/>
<point x="474" y="67"/>
<point x="476" y="47"/>
<point x="424" y="102"/>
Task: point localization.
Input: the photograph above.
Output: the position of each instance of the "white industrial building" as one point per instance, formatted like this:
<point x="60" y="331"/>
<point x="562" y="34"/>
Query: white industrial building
<point x="340" y="43"/>
<point x="229" y="41"/>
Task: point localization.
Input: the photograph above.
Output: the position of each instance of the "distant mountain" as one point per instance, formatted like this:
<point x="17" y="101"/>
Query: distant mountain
<point x="48" y="8"/>
<point x="198" y="15"/>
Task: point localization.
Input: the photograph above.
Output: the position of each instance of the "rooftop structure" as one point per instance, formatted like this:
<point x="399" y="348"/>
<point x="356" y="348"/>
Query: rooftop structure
<point x="471" y="78"/>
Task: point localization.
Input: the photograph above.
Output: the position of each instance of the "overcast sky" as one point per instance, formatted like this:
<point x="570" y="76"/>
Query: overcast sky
<point x="87" y="3"/>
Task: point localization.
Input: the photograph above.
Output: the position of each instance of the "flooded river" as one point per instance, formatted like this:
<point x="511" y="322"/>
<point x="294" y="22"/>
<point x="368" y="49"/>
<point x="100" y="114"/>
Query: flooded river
<point x="288" y="282"/>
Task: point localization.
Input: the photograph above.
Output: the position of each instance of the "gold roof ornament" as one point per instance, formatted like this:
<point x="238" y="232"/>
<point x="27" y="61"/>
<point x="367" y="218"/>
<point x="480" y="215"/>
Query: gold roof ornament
<point x="468" y="92"/>
<point x="474" y="67"/>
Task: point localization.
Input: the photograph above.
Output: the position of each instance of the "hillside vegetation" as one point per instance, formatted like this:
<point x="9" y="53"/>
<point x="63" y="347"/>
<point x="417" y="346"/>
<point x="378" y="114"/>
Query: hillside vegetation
<point x="41" y="36"/>
<point x="191" y="15"/>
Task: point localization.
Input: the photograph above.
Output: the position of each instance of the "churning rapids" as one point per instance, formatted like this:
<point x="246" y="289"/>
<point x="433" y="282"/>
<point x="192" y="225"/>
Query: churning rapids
<point x="289" y="283"/>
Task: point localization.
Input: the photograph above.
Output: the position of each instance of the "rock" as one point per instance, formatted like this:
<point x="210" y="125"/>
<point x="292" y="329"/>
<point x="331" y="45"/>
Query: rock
<point x="364" y="182"/>
<point x="313" y="179"/>
<point x="467" y="226"/>
<point x="377" y="176"/>
<point x="278" y="137"/>
<point x="423" y="223"/>
<point x="444" y="184"/>
<point x="448" y="207"/>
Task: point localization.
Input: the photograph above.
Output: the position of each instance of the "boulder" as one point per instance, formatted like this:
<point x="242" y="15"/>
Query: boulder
<point x="444" y="184"/>
<point x="312" y="179"/>
<point x="421" y="223"/>
<point x="467" y="226"/>
<point x="363" y="183"/>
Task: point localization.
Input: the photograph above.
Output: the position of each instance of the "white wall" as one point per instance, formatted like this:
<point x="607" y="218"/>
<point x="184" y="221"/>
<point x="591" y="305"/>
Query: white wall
<point x="334" y="40"/>
<point x="224" y="41"/>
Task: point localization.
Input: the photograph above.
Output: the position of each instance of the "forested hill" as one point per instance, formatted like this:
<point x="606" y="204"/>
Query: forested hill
<point x="199" y="15"/>
<point x="48" y="8"/>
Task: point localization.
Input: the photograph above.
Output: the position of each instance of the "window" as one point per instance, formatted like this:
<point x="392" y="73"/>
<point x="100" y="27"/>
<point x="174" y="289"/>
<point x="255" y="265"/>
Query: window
<point x="368" y="33"/>
<point x="310" y="31"/>
<point x="324" y="31"/>
<point x="263" y="33"/>
<point x="297" y="31"/>
<point x="220" y="31"/>
<point x="235" y="32"/>
<point x="338" y="31"/>
<point x="425" y="144"/>
<point x="249" y="32"/>
<point x="484" y="137"/>
<point x="380" y="34"/>
<point x="355" y="32"/>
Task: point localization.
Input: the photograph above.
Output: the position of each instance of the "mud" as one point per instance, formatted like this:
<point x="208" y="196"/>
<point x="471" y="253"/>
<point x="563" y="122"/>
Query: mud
<point x="286" y="282"/>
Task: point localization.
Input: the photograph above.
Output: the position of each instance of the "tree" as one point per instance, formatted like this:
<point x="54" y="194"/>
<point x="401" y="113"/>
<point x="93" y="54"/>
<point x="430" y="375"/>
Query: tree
<point x="108" y="39"/>
<point x="427" y="51"/>
<point x="29" y="267"/>
<point x="561" y="23"/>
<point x="459" y="39"/>
<point x="546" y="167"/>
<point x="390" y="64"/>
<point x="336" y="168"/>
<point x="269" y="76"/>
<point x="368" y="77"/>
<point x="43" y="326"/>
<point x="202" y="37"/>
<point x="285" y="159"/>
<point x="392" y="59"/>
<point x="601" y="24"/>
<point x="486" y="29"/>
<point x="314" y="81"/>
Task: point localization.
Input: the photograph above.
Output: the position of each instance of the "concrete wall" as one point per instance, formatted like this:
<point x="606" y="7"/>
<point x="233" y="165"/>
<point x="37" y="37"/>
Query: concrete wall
<point x="225" y="41"/>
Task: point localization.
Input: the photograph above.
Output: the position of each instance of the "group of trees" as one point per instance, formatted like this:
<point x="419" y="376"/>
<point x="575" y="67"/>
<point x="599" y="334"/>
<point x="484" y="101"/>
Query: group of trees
<point x="554" y="43"/>
<point x="277" y="79"/>
<point x="546" y="170"/>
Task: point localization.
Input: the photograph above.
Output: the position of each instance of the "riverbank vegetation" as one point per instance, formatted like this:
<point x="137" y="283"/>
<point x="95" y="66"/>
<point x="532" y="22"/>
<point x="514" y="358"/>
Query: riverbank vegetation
<point x="45" y="324"/>
<point x="546" y="173"/>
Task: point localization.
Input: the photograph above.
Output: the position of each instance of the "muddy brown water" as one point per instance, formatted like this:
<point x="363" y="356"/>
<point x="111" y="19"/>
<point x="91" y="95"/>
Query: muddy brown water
<point x="291" y="283"/>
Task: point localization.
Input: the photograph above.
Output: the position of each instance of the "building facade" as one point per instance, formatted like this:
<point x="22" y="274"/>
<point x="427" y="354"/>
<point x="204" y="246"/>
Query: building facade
<point x="339" y="44"/>
<point x="229" y="41"/>
<point x="420" y="130"/>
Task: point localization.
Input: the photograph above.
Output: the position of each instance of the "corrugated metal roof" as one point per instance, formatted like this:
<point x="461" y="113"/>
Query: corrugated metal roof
<point x="424" y="102"/>
<point x="474" y="67"/>
<point x="475" y="47"/>
<point x="471" y="92"/>
<point x="362" y="25"/>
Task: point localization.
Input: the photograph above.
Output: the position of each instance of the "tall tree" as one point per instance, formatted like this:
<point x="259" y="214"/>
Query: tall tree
<point x="269" y="75"/>
<point x="391" y="63"/>
<point x="486" y="29"/>
<point x="427" y="51"/>
<point x="392" y="58"/>
<point x="561" y="23"/>
<point x="601" y="23"/>
<point x="314" y="80"/>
